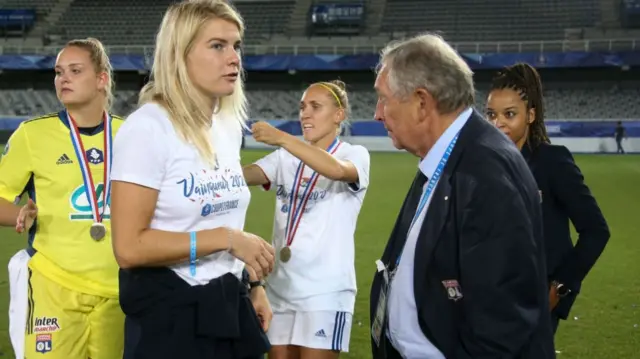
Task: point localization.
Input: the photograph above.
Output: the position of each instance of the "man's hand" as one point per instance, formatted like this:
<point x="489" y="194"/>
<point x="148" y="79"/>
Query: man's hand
<point x="261" y="305"/>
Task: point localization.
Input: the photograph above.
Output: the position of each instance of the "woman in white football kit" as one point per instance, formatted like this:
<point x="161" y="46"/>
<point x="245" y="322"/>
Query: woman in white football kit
<point x="179" y="199"/>
<point x="320" y="185"/>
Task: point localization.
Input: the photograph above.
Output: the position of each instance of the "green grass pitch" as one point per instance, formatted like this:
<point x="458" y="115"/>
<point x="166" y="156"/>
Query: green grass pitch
<point x="605" y="322"/>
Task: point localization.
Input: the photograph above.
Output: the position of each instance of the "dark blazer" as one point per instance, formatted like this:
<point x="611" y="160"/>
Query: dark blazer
<point x="168" y="318"/>
<point x="565" y="197"/>
<point x="483" y="229"/>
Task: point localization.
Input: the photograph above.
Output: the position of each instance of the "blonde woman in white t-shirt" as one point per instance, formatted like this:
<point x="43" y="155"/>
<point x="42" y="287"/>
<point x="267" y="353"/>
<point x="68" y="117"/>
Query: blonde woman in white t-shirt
<point x="320" y="184"/>
<point x="180" y="200"/>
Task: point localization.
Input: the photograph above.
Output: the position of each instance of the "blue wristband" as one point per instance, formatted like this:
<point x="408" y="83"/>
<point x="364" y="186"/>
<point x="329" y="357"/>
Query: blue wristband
<point x="192" y="259"/>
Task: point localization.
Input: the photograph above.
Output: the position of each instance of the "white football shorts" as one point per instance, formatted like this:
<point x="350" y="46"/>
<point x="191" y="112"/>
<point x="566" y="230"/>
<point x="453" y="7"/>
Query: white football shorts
<point x="328" y="330"/>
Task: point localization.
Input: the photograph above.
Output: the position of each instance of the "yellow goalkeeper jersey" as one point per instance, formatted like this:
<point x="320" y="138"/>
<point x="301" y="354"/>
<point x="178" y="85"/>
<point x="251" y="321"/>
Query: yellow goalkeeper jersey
<point x="40" y="160"/>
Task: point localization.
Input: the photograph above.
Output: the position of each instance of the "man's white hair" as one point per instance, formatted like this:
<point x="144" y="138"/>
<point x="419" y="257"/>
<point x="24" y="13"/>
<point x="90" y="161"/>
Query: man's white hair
<point x="427" y="61"/>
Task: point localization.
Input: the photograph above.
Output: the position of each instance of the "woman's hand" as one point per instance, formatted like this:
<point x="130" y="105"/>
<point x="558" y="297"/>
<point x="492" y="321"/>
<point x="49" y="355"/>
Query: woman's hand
<point x="255" y="252"/>
<point x="262" y="306"/>
<point x="265" y="133"/>
<point x="26" y="216"/>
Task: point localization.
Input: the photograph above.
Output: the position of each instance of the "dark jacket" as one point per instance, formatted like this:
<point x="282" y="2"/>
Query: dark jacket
<point x="171" y="319"/>
<point x="483" y="229"/>
<point x="565" y="197"/>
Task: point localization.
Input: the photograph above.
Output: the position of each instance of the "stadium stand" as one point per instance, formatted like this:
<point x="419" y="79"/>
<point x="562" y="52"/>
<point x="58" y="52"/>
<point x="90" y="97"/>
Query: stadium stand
<point x="282" y="23"/>
<point x="135" y="22"/>
<point x="42" y="7"/>
<point x="114" y="22"/>
<point x="564" y="101"/>
<point x="26" y="102"/>
<point x="491" y="20"/>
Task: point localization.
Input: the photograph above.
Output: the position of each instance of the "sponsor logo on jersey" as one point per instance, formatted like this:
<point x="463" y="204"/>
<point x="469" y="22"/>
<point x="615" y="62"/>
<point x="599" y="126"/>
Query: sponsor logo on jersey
<point x="46" y="325"/>
<point x="43" y="343"/>
<point x="81" y="209"/>
<point x="221" y="207"/>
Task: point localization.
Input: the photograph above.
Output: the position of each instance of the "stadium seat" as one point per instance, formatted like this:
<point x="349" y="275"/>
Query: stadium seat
<point x="491" y="20"/>
<point x="563" y="101"/>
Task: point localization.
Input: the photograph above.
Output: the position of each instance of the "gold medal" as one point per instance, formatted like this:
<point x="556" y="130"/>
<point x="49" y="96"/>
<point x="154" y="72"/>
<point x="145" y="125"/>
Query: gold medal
<point x="285" y="254"/>
<point x="98" y="231"/>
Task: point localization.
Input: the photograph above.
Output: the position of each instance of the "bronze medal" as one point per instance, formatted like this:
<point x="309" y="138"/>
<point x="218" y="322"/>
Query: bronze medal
<point x="98" y="231"/>
<point x="285" y="254"/>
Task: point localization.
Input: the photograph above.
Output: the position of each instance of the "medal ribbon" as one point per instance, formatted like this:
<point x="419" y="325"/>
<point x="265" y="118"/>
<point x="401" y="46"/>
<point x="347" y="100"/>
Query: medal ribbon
<point x="89" y="187"/>
<point x="296" y="211"/>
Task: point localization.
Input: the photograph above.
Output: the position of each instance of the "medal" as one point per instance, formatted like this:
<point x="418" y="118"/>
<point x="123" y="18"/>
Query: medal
<point x="285" y="254"/>
<point x="98" y="230"/>
<point x="295" y="208"/>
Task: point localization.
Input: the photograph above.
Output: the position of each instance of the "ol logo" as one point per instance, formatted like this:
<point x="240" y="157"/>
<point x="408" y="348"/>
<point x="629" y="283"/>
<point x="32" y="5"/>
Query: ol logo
<point x="43" y="343"/>
<point x="94" y="156"/>
<point x="454" y="292"/>
<point x="81" y="208"/>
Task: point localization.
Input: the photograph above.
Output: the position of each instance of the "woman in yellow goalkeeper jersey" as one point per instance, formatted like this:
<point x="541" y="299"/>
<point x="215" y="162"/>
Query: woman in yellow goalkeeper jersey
<point x="64" y="286"/>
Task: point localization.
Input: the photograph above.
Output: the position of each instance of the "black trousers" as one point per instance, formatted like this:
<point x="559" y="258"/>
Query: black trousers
<point x="555" y="321"/>
<point x="132" y="334"/>
<point x="619" y="143"/>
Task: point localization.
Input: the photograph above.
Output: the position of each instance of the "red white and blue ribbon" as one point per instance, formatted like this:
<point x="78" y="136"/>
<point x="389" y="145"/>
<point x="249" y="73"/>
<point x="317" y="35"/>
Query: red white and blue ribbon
<point x="81" y="154"/>
<point x="296" y="208"/>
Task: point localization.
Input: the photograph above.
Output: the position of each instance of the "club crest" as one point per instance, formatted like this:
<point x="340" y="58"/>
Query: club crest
<point x="453" y="289"/>
<point x="43" y="343"/>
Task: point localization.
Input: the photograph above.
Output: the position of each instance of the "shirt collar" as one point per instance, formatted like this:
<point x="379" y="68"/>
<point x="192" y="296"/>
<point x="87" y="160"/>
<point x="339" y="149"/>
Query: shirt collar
<point x="430" y="162"/>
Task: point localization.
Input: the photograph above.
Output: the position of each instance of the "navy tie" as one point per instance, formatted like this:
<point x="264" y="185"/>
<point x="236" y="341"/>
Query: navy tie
<point x="420" y="181"/>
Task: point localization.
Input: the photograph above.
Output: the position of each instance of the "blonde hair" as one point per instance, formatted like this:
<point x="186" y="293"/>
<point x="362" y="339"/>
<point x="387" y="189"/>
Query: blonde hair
<point x="100" y="62"/>
<point x="338" y="92"/>
<point x="170" y="85"/>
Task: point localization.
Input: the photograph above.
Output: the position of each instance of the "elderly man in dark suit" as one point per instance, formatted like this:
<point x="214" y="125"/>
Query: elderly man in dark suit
<point x="463" y="274"/>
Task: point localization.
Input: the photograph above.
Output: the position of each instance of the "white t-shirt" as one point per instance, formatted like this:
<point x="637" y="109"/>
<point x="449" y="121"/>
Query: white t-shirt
<point x="193" y="196"/>
<point x="321" y="272"/>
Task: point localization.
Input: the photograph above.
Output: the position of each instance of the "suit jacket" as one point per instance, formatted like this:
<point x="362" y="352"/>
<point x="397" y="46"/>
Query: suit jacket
<point x="483" y="229"/>
<point x="565" y="197"/>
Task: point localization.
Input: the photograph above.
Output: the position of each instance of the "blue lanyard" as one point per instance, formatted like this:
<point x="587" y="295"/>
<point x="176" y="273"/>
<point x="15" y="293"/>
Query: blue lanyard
<point x="430" y="186"/>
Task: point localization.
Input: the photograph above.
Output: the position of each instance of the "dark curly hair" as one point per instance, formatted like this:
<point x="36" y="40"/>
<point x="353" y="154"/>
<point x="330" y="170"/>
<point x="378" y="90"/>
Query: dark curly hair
<point x="525" y="80"/>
